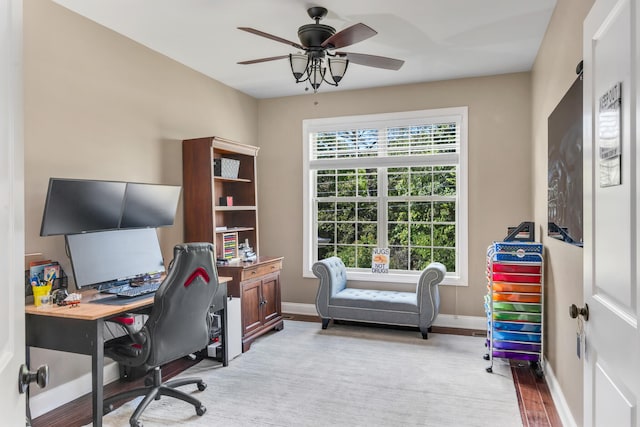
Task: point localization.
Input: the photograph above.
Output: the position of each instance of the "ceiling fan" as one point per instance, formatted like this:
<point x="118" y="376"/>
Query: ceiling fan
<point x="319" y="41"/>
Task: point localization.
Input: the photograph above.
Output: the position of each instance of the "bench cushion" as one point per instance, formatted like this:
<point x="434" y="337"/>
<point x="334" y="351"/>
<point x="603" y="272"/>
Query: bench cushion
<point x="376" y="299"/>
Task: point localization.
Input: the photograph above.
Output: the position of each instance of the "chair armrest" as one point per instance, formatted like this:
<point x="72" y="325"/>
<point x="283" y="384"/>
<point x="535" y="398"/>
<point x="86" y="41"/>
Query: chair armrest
<point x="127" y="322"/>
<point x="428" y="293"/>
<point x="333" y="278"/>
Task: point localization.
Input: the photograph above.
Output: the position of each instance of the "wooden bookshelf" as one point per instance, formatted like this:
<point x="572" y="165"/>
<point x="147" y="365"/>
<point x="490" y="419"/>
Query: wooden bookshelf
<point x="203" y="215"/>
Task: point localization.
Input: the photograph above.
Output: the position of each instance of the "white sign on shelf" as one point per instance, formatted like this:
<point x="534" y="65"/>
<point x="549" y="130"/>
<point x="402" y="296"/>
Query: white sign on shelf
<point x="380" y="260"/>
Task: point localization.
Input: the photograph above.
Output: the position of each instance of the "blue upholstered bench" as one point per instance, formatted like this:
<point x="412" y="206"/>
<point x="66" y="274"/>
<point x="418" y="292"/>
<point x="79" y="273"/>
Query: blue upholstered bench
<point x="335" y="300"/>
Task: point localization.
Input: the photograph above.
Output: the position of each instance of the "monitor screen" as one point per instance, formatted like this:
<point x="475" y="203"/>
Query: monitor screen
<point x="76" y="206"/>
<point x="149" y="205"/>
<point x="105" y="256"/>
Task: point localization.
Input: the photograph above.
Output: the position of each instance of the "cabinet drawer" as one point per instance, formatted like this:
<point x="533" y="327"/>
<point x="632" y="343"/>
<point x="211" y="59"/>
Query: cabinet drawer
<point x="261" y="270"/>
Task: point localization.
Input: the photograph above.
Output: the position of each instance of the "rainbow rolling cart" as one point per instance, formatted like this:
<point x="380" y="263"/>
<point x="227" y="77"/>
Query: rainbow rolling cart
<point x="514" y="303"/>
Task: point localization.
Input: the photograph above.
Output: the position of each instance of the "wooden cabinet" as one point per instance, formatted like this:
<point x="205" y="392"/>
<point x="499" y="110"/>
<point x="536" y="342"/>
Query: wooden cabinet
<point x="258" y="285"/>
<point x="221" y="207"/>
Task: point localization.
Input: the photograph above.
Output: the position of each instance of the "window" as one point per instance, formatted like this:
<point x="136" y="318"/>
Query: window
<point x="396" y="181"/>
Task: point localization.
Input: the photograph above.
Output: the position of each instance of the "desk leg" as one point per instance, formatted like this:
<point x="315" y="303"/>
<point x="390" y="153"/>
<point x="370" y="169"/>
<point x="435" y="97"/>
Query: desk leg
<point x="97" y="373"/>
<point x="225" y="335"/>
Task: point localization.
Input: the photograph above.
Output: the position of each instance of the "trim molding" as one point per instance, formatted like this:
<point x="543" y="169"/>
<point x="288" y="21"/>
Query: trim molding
<point x="443" y="320"/>
<point x="558" y="397"/>
<point x="51" y="399"/>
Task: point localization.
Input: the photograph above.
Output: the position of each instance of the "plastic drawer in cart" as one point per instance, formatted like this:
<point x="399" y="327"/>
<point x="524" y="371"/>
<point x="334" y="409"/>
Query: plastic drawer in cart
<point x="516" y="268"/>
<point x="510" y="306"/>
<point x="515" y="355"/>
<point x="517" y="346"/>
<point x="517" y="278"/>
<point x="517" y="251"/>
<point x="516" y="287"/>
<point x="537" y="298"/>
<point x="516" y="336"/>
<point x="518" y="326"/>
<point x="518" y="317"/>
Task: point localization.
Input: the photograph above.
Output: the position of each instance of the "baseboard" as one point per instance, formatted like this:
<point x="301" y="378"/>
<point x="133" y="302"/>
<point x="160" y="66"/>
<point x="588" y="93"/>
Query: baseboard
<point x="443" y="320"/>
<point x="558" y="397"/>
<point x="461" y="322"/>
<point x="50" y="399"/>
<point x="298" y="308"/>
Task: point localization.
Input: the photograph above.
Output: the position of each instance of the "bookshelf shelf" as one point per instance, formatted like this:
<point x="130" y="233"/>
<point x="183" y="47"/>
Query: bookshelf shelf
<point x="236" y="208"/>
<point x="235" y="229"/>
<point x="223" y="179"/>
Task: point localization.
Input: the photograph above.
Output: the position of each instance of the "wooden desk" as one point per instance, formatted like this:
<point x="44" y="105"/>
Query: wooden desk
<point x="80" y="330"/>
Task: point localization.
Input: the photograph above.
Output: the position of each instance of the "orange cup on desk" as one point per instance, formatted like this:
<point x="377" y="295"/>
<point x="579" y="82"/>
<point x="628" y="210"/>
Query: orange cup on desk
<point x="41" y="293"/>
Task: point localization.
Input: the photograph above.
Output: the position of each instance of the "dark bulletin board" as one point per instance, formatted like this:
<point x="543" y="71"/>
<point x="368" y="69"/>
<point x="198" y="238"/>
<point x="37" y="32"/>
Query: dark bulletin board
<point x="565" y="168"/>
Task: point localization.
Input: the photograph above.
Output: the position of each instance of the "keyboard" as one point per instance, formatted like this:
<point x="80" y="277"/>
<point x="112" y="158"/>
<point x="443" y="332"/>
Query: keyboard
<point x="136" y="291"/>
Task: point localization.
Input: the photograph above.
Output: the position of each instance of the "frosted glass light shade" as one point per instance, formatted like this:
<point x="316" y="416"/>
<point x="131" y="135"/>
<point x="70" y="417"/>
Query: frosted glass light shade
<point x="337" y="68"/>
<point x="299" y="64"/>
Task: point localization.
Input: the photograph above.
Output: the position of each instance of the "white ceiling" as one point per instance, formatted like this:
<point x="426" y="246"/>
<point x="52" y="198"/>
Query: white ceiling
<point x="437" y="39"/>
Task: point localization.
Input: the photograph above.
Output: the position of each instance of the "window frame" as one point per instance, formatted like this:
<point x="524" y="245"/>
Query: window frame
<point x="312" y="126"/>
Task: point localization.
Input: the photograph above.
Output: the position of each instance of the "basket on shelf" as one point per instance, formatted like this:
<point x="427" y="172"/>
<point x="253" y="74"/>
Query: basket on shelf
<point x="226" y="168"/>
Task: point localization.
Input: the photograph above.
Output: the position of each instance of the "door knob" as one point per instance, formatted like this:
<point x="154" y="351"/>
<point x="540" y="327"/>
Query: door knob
<point x="574" y="311"/>
<point x="25" y="377"/>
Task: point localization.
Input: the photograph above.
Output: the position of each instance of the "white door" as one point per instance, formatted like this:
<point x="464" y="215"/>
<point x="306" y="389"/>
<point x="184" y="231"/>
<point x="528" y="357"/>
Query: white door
<point x="12" y="354"/>
<point x="611" y="214"/>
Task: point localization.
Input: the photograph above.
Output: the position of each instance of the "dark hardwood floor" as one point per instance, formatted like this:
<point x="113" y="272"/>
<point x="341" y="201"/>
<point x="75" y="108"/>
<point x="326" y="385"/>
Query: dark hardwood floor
<point x="536" y="405"/>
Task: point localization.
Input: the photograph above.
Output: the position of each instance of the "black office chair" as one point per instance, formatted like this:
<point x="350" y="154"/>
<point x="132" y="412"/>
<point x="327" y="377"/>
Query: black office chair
<point x="178" y="325"/>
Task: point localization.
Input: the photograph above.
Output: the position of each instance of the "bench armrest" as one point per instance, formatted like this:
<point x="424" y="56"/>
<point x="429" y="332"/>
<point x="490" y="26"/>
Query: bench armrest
<point x="333" y="278"/>
<point x="428" y="293"/>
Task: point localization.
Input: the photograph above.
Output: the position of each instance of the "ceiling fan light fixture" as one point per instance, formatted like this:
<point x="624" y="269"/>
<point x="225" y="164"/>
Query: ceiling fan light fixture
<point x="316" y="74"/>
<point x="337" y="68"/>
<point x="299" y="63"/>
<point x="319" y="63"/>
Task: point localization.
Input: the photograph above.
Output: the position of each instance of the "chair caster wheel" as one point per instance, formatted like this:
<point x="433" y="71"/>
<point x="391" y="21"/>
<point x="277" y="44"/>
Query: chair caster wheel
<point x="106" y="409"/>
<point x="135" y="423"/>
<point x="200" y="410"/>
<point x="489" y="369"/>
<point x="202" y="386"/>
<point x="486" y="357"/>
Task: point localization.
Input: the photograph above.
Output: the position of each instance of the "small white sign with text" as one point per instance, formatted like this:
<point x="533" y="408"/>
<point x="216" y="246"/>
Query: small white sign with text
<point x="380" y="260"/>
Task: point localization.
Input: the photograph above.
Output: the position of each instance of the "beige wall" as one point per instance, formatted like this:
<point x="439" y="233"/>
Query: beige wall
<point x="552" y="75"/>
<point x="99" y="106"/>
<point x="499" y="168"/>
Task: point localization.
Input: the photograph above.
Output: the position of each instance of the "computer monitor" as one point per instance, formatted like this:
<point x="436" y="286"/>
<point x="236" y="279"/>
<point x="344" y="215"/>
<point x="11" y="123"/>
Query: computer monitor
<point x="106" y="256"/>
<point x="149" y="205"/>
<point x="76" y="206"/>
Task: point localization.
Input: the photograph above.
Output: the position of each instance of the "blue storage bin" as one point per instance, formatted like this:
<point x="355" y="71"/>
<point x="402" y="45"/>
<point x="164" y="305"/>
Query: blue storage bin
<point x="518" y="326"/>
<point x="517" y="251"/>
<point x="516" y="336"/>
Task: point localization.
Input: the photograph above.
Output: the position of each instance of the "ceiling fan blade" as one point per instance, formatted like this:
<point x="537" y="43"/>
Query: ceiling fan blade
<point x="271" y="58"/>
<point x="271" y="37"/>
<point x="373" y="60"/>
<point x="350" y="35"/>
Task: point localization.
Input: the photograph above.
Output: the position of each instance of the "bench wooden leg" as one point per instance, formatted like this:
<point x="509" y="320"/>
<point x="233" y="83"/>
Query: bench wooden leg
<point x="325" y="323"/>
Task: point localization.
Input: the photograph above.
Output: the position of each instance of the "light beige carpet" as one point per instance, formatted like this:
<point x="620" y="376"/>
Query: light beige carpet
<point x="345" y="376"/>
